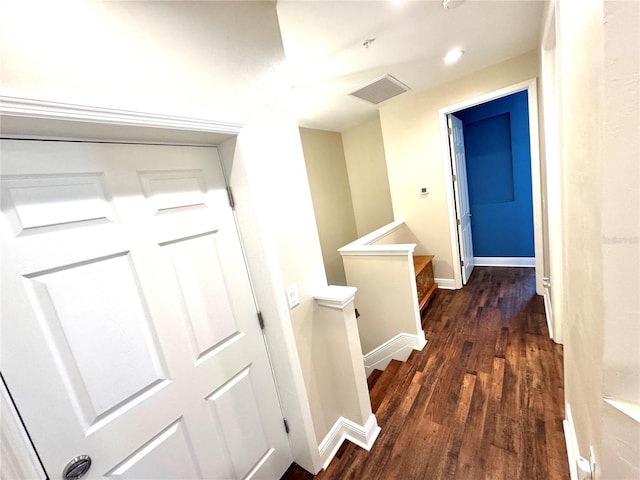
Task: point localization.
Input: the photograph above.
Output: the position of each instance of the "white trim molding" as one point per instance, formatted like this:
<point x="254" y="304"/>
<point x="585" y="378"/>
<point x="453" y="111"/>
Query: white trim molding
<point x="398" y="348"/>
<point x="344" y="429"/>
<point x="335" y="296"/>
<point x="505" y="261"/>
<point x="579" y="467"/>
<point x="446" y="283"/>
<point x="548" y="312"/>
<point x="363" y="245"/>
<point x="630" y="409"/>
<point x="392" y="249"/>
<point x="32" y="108"/>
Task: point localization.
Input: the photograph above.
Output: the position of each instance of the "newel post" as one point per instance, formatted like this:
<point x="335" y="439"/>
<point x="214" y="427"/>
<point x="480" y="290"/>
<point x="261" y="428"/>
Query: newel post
<point x="336" y="329"/>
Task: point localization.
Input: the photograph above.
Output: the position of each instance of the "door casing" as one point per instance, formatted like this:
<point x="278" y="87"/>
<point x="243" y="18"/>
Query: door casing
<point x="532" y="96"/>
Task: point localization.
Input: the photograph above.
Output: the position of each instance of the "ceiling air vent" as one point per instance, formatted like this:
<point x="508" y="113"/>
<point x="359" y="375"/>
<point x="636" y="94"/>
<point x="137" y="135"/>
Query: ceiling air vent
<point x="382" y="89"/>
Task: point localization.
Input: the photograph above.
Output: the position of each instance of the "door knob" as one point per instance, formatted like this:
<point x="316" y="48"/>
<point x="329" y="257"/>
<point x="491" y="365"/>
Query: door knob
<point x="77" y="467"/>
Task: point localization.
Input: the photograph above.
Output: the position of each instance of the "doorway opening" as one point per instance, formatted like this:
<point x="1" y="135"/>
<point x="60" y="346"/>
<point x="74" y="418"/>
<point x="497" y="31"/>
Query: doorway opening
<point x="523" y="245"/>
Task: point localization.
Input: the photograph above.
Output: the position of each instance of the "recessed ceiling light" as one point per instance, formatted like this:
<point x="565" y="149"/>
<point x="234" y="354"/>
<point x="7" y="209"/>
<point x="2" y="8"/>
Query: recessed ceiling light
<point x="453" y="55"/>
<point x="451" y="4"/>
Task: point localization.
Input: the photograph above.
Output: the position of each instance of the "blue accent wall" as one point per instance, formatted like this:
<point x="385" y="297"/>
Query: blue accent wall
<point x="497" y="150"/>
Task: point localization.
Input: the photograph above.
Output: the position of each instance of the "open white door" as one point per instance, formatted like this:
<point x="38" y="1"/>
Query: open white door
<point x="461" y="193"/>
<point x="129" y="331"/>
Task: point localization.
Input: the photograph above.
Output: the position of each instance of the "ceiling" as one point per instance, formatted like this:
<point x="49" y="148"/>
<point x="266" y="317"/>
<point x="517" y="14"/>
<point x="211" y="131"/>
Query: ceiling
<point x="326" y="58"/>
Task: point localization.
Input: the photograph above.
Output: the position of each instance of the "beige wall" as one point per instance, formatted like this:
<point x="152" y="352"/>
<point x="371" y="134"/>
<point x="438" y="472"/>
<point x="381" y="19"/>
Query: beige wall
<point x="581" y="155"/>
<point x="413" y="149"/>
<point x="386" y="297"/>
<point x="600" y="146"/>
<point x="621" y="201"/>
<point x="368" y="180"/>
<point x="324" y="157"/>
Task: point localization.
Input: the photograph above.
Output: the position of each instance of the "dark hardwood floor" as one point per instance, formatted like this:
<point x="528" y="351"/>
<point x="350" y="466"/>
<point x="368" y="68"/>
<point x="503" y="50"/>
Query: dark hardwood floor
<point x="483" y="400"/>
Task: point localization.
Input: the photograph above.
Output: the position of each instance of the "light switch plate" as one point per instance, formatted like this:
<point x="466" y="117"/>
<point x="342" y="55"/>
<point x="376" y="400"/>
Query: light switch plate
<point x="292" y="296"/>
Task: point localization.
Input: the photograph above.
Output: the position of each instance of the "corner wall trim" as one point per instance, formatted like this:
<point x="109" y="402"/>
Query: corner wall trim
<point x="344" y="429"/>
<point x="446" y="283"/>
<point x="398" y="348"/>
<point x="505" y="261"/>
<point x="548" y="311"/>
<point x="366" y="245"/>
<point x="579" y="467"/>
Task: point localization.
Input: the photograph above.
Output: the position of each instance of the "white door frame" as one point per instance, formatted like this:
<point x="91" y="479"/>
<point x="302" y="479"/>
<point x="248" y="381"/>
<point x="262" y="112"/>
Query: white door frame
<point x="549" y="78"/>
<point x="530" y="86"/>
<point x="42" y="120"/>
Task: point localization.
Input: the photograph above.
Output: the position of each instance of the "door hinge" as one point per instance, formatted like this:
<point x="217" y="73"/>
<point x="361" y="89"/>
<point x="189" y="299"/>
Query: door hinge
<point x="462" y="262"/>
<point x="458" y="220"/>
<point x="450" y="131"/>
<point x="286" y="425"/>
<point x="261" y="320"/>
<point x="232" y="202"/>
<point x="455" y="178"/>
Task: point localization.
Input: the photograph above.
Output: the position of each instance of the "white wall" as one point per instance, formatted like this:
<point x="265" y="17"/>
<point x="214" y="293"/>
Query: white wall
<point x="412" y="143"/>
<point x="211" y="60"/>
<point x="331" y="195"/>
<point x="580" y="31"/>
<point x="598" y="68"/>
<point x="368" y="179"/>
<point x="621" y="201"/>
<point x="620" y="456"/>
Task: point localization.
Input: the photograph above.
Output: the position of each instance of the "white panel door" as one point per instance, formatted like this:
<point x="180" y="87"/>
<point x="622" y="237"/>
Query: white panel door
<point x="461" y="191"/>
<point x="129" y="331"/>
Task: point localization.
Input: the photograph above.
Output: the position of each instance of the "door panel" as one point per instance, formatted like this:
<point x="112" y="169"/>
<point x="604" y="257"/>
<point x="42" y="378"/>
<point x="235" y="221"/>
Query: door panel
<point x="35" y="202"/>
<point x="461" y="193"/>
<point x="203" y="293"/>
<point x="93" y="311"/>
<point x="129" y="331"/>
<point x="152" y="461"/>
<point x="246" y="444"/>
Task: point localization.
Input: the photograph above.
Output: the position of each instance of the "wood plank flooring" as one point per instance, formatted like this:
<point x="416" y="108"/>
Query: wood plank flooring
<point x="483" y="400"/>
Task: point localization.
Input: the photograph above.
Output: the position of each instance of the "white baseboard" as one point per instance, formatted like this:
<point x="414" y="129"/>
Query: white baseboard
<point x="504" y="261"/>
<point x="343" y="429"/>
<point x="579" y="467"/>
<point x="398" y="348"/>
<point x="548" y="312"/>
<point x="446" y="283"/>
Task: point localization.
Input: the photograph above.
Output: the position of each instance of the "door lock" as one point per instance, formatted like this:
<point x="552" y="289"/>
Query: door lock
<point x="77" y="467"/>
